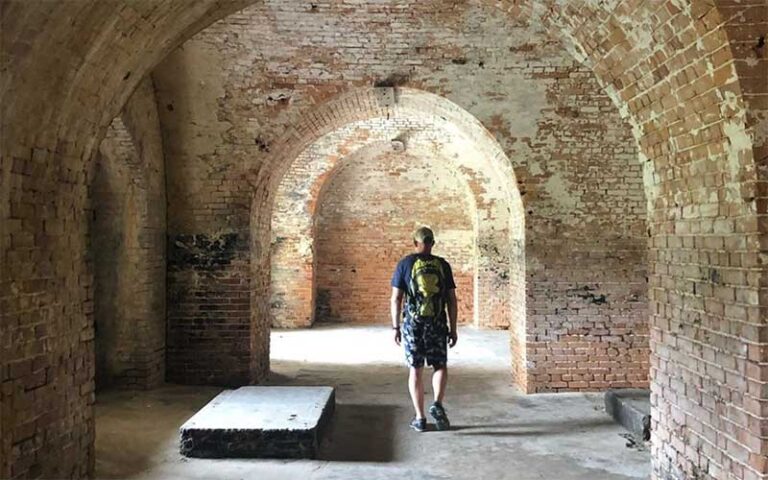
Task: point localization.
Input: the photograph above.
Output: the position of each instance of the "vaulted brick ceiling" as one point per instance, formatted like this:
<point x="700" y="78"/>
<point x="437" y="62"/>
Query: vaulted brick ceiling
<point x="688" y="77"/>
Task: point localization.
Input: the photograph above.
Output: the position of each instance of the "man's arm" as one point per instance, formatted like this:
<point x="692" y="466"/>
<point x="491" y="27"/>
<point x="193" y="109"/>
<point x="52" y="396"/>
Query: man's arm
<point x="453" y="313"/>
<point x="395" y="307"/>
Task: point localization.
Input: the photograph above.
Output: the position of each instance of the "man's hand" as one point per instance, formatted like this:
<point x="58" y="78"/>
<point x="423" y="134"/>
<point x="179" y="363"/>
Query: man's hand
<point x="454" y="337"/>
<point x="397" y="335"/>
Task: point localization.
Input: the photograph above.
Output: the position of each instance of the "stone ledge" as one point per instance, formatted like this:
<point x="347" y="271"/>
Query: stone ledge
<point x="632" y="409"/>
<point x="259" y="422"/>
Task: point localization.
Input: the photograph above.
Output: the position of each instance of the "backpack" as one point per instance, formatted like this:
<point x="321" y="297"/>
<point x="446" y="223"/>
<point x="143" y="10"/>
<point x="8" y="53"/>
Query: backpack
<point x="426" y="300"/>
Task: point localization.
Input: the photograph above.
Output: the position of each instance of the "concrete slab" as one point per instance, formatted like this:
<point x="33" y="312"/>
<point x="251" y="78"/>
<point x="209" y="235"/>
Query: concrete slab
<point x="632" y="409"/>
<point x="259" y="422"/>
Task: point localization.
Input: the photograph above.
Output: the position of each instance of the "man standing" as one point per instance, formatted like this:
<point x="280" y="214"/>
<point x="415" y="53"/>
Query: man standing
<point x="426" y="282"/>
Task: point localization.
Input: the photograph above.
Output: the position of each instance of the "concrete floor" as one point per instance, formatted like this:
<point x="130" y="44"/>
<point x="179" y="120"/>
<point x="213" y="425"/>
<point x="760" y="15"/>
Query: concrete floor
<point x="497" y="434"/>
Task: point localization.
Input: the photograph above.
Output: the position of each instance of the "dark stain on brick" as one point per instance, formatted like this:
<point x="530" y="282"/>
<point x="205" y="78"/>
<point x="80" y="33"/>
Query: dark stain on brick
<point x="323" y="304"/>
<point x="567" y="112"/>
<point x="203" y="252"/>
<point x="587" y="293"/>
<point x="596" y="299"/>
<point x="525" y="47"/>
<point x="277" y="304"/>
<point x="262" y="144"/>
<point x="459" y="61"/>
<point x="714" y="275"/>
<point x="392" y="81"/>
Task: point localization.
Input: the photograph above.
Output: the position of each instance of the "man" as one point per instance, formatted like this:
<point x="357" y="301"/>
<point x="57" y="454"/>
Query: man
<point x="426" y="283"/>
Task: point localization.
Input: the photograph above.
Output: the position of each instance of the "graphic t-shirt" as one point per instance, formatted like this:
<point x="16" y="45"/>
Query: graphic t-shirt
<point x="426" y="280"/>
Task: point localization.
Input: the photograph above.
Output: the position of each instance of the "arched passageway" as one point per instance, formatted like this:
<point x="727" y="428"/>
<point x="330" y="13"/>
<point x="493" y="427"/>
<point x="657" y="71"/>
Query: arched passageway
<point x="356" y="236"/>
<point x="365" y="216"/>
<point x="128" y="236"/>
<point x="570" y="272"/>
<point x="472" y="163"/>
<point x="688" y="76"/>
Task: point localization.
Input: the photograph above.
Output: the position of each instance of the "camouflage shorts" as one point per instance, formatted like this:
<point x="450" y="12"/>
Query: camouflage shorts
<point x="425" y="341"/>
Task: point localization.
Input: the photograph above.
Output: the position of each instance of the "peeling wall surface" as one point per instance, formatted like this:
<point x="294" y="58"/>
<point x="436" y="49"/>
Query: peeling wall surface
<point x="634" y="132"/>
<point x="231" y="95"/>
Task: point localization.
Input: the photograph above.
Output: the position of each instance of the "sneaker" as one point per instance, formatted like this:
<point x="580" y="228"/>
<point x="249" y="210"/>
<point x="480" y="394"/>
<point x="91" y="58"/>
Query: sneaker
<point x="419" y="424"/>
<point x="441" y="418"/>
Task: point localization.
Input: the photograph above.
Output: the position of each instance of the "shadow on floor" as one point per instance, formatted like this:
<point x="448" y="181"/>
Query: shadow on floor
<point x="133" y="426"/>
<point x="360" y="433"/>
<point x="522" y="429"/>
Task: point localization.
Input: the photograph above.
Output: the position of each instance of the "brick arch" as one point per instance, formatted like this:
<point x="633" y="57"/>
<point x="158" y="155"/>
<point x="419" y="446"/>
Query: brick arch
<point x="72" y="66"/>
<point x="390" y="236"/>
<point x="688" y="119"/>
<point x="423" y="120"/>
<point x="292" y="234"/>
<point x="294" y="222"/>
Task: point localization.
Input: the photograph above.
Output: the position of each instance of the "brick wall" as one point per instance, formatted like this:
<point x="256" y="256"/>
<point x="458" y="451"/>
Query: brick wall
<point x="684" y="100"/>
<point x="293" y="249"/>
<point x="586" y="240"/>
<point x="210" y="339"/>
<point x="71" y="68"/>
<point x="368" y="211"/>
<point x="128" y="240"/>
<point x="574" y="157"/>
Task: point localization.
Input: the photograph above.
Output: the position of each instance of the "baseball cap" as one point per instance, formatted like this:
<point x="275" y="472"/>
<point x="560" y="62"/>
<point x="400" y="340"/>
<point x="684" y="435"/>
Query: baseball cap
<point x="424" y="235"/>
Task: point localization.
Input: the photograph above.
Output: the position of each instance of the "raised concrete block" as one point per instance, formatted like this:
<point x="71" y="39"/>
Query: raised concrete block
<point x="632" y="409"/>
<point x="259" y="422"/>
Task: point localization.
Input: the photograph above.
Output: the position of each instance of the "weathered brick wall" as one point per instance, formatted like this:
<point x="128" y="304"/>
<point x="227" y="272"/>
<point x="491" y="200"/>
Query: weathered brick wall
<point x="469" y="159"/>
<point x="746" y="27"/>
<point x="71" y="66"/>
<point x="586" y="319"/>
<point x="128" y="241"/>
<point x="368" y="211"/>
<point x="557" y="128"/>
<point x="112" y="255"/>
<point x="673" y="68"/>
<point x="211" y="336"/>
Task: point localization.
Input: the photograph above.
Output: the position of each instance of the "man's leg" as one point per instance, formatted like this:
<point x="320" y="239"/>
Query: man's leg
<point x="439" y="382"/>
<point x="437" y="357"/>
<point x="416" y="387"/>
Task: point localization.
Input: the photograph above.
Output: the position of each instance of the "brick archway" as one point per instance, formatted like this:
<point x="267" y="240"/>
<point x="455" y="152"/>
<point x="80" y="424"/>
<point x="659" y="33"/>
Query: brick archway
<point x="423" y="120"/>
<point x="295" y="237"/>
<point x="694" y="123"/>
<point x="358" y="243"/>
